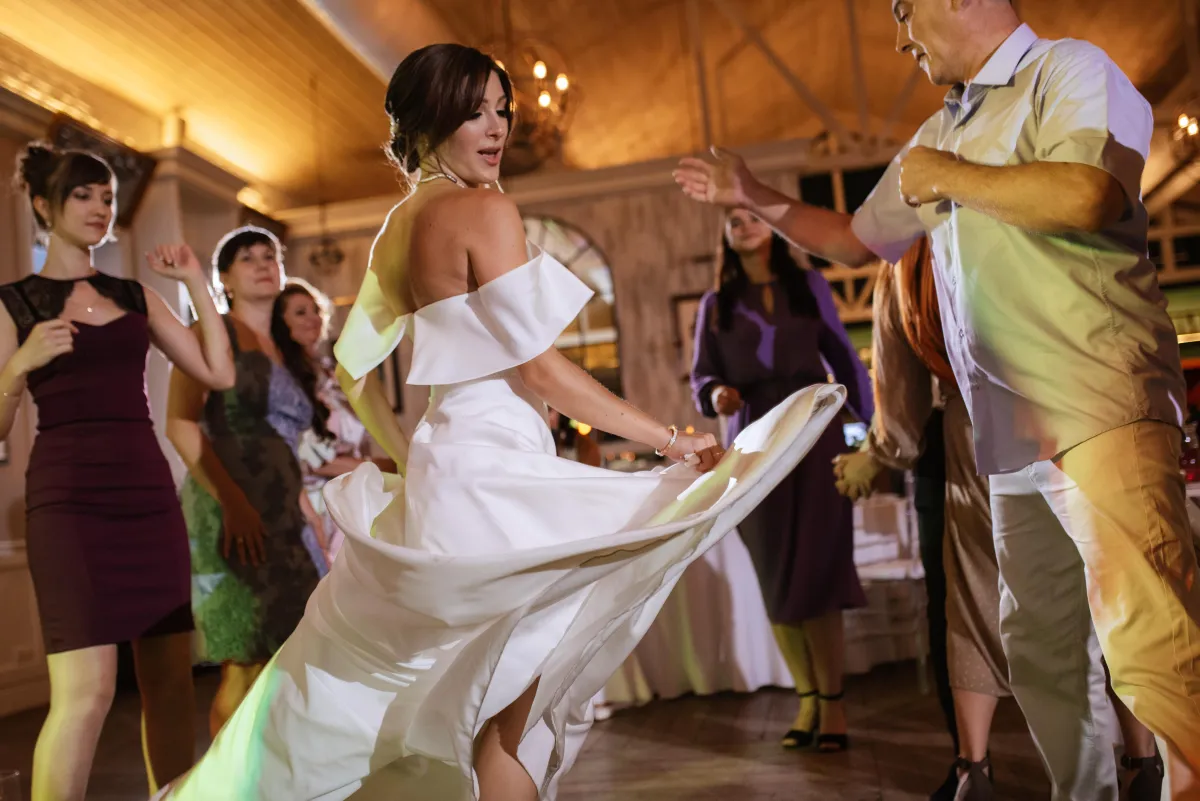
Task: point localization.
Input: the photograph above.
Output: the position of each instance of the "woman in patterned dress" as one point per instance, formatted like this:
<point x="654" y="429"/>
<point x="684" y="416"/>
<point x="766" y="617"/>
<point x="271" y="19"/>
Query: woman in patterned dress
<point x="337" y="442"/>
<point x="251" y="574"/>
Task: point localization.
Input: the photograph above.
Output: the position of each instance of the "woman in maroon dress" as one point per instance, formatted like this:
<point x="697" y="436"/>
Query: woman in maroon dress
<point x="106" y="541"/>
<point x="767" y="330"/>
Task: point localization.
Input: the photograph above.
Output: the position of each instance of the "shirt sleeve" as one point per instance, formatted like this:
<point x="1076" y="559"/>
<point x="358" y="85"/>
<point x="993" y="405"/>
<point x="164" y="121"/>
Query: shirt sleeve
<point x="1090" y="113"/>
<point x="707" y="370"/>
<point x="884" y="222"/>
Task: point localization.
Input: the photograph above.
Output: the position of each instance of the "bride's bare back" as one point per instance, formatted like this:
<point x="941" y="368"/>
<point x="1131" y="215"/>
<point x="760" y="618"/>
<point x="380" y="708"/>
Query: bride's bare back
<point x="422" y="253"/>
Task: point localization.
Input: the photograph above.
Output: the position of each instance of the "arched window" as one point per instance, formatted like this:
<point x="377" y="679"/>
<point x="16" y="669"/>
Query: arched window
<point x="592" y="340"/>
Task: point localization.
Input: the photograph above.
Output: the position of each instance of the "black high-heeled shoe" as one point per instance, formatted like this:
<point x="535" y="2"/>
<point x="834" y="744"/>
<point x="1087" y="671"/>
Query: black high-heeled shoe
<point x="978" y="777"/>
<point x="949" y="789"/>
<point x="801" y="738"/>
<point x="832" y="743"/>
<point x="1147" y="784"/>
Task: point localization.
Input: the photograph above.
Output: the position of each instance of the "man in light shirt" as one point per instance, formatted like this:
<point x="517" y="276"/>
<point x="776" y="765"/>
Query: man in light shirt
<point x="1028" y="185"/>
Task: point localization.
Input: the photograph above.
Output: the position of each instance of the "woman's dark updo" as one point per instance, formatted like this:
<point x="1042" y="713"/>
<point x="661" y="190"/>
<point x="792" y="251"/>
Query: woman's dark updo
<point x="47" y="173"/>
<point x="433" y="92"/>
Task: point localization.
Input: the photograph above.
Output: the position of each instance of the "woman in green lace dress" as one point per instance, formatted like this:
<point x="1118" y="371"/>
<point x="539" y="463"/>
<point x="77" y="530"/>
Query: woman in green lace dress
<point x="251" y="573"/>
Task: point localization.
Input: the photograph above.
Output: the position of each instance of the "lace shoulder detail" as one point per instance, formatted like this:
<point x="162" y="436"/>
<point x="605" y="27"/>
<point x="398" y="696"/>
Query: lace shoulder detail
<point x="127" y="293"/>
<point x="34" y="299"/>
<point x="19" y="306"/>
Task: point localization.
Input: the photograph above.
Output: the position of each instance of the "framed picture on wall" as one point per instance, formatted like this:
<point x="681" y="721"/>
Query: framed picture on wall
<point x="684" y="309"/>
<point x="132" y="167"/>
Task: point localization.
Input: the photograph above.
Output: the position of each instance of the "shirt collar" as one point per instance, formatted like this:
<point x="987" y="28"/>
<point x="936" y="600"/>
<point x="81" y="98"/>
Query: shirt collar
<point x="1002" y="66"/>
<point x="998" y="71"/>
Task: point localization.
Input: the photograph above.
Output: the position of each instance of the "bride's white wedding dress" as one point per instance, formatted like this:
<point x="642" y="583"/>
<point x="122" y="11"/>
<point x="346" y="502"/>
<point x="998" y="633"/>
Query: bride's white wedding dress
<point x="491" y="564"/>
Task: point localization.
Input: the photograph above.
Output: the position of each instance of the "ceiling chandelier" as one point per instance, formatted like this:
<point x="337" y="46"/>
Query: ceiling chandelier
<point x="545" y="97"/>
<point x="1185" y="134"/>
<point x="1185" y="138"/>
<point x="326" y="256"/>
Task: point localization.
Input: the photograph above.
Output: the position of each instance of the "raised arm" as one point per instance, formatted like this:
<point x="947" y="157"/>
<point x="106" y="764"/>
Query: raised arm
<point x="727" y="181"/>
<point x="1093" y="136"/>
<point x="205" y="354"/>
<point x="495" y="240"/>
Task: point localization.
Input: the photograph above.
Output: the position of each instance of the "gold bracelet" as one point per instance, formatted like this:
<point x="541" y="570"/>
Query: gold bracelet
<point x="674" y="436"/>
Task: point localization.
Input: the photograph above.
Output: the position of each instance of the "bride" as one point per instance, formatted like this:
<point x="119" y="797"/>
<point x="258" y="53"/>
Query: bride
<point x="484" y="596"/>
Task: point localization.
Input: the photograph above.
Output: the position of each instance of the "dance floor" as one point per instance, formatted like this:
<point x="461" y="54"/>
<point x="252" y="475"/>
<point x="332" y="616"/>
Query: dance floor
<point x="690" y="749"/>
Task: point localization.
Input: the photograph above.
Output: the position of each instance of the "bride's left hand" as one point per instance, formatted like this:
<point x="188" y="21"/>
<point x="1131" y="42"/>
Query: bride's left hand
<point x="705" y="460"/>
<point x="700" y="451"/>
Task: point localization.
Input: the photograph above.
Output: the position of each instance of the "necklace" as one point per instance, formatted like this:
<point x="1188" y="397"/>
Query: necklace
<point x="454" y="179"/>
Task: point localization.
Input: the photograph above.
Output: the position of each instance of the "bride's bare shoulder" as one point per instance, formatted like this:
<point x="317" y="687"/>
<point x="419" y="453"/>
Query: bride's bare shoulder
<point x="469" y="216"/>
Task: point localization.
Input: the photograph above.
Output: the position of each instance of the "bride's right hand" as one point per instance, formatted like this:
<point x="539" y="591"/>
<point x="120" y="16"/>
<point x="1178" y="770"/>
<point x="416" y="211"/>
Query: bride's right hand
<point x="703" y="446"/>
<point x="723" y="182"/>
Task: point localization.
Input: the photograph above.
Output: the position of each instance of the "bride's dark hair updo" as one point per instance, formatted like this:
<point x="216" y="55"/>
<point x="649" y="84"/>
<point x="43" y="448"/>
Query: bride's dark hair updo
<point x="434" y="91"/>
<point x="43" y="171"/>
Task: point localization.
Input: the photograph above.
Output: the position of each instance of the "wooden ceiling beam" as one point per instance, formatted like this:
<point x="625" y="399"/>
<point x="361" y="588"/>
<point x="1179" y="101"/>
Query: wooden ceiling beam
<point x="1173" y="187"/>
<point x="901" y="103"/>
<point x="832" y="123"/>
<point x="860" y="76"/>
<point x="696" y="37"/>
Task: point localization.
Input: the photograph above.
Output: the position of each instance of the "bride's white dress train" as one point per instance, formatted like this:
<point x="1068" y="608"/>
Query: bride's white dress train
<point x="492" y="564"/>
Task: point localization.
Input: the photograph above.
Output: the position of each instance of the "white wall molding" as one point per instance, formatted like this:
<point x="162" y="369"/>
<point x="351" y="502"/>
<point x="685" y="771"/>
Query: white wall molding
<point x="196" y="172"/>
<point x="21" y="118"/>
<point x="552" y="187"/>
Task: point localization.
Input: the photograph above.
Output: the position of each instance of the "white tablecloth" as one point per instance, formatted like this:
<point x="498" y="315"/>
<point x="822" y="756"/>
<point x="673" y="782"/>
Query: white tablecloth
<point x="713" y="634"/>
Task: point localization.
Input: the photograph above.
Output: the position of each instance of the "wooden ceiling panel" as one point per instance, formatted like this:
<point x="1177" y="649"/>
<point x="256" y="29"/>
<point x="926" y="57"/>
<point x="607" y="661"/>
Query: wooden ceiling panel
<point x="239" y="70"/>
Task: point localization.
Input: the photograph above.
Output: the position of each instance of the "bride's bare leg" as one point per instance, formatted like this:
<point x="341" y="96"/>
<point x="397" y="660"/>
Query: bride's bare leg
<point x="501" y="776"/>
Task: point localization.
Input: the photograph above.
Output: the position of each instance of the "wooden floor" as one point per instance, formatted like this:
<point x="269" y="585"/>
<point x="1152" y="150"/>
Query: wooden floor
<point x="693" y="749"/>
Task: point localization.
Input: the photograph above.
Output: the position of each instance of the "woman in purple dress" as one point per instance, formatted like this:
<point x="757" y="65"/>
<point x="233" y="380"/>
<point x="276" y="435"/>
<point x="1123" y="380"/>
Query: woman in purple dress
<point x="768" y="330"/>
<point x="107" y="546"/>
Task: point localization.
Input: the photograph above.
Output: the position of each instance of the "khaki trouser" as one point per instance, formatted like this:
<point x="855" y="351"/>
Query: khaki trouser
<point x="1096" y="553"/>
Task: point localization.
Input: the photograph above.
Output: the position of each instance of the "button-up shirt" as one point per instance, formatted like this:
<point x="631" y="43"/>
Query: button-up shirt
<point x="1054" y="339"/>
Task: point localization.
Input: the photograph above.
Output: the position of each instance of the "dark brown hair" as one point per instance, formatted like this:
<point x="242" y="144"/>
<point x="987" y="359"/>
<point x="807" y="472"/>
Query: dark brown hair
<point x="732" y="281"/>
<point x="297" y="360"/>
<point x="433" y="92"/>
<point x="45" y="172"/>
